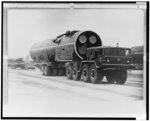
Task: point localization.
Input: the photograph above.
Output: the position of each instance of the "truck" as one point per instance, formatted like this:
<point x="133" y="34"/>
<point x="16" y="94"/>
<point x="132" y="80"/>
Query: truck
<point x="80" y="56"/>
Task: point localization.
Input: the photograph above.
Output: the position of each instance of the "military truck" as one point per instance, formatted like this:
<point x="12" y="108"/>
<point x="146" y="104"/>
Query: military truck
<point x="82" y="56"/>
<point x="111" y="62"/>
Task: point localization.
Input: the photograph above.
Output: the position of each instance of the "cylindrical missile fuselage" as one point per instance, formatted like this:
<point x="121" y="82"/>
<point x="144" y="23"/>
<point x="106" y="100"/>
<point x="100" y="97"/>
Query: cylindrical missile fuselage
<point x="70" y="46"/>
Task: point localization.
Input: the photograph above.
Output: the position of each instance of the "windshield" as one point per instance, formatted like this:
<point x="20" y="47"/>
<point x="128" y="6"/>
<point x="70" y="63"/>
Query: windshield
<point x="116" y="52"/>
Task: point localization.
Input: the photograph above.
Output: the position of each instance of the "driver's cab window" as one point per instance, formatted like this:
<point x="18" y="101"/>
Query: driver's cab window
<point x="96" y="54"/>
<point x="100" y="52"/>
<point x="127" y="52"/>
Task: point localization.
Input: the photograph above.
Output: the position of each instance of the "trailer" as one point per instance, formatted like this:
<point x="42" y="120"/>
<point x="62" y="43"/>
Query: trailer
<point x="81" y="56"/>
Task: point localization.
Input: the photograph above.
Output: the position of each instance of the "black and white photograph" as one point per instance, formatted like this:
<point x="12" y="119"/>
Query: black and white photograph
<point x="74" y="59"/>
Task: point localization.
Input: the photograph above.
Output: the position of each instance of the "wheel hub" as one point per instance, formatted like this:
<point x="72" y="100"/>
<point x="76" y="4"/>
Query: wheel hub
<point x="74" y="72"/>
<point x="93" y="73"/>
<point x="85" y="73"/>
<point x="68" y="71"/>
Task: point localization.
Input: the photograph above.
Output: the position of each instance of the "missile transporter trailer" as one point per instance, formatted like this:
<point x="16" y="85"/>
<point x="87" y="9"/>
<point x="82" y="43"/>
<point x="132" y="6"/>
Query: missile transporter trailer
<point x="81" y="56"/>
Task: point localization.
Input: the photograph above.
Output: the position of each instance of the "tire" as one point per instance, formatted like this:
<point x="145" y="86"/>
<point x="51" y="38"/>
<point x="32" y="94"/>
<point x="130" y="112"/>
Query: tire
<point x="121" y="76"/>
<point x="75" y="75"/>
<point x="47" y="71"/>
<point x="110" y="76"/>
<point x="43" y="70"/>
<point x="69" y="71"/>
<point x="96" y="75"/>
<point x="85" y="75"/>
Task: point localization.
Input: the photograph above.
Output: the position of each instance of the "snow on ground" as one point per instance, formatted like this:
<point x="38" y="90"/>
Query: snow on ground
<point x="31" y="94"/>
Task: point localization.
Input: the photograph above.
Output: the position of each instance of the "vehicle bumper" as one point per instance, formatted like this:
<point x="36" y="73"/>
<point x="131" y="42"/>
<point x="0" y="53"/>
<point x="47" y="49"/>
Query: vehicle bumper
<point x="115" y="66"/>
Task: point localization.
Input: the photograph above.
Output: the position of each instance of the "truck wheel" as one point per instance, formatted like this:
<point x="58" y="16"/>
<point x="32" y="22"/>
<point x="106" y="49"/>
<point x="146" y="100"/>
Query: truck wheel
<point x="54" y="72"/>
<point x="121" y="76"/>
<point x="47" y="71"/>
<point x="43" y="70"/>
<point x="110" y="76"/>
<point x="69" y="71"/>
<point x="96" y="75"/>
<point x="85" y="76"/>
<point x="75" y="75"/>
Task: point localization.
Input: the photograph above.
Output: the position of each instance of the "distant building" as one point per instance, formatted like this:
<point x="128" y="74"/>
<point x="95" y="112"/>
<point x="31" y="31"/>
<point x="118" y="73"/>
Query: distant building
<point x="137" y="53"/>
<point x="137" y="49"/>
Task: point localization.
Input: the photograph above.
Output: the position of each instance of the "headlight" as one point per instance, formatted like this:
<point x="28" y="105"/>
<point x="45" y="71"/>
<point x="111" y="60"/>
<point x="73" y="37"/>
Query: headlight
<point x="128" y="61"/>
<point x="118" y="59"/>
<point x="82" y="39"/>
<point x="92" y="39"/>
<point x="107" y="60"/>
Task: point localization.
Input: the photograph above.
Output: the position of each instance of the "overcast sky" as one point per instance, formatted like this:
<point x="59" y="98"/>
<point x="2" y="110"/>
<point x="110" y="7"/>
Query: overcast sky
<point x="27" y="26"/>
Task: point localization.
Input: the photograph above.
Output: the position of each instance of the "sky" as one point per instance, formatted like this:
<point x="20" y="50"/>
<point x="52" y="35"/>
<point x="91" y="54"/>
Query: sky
<point x="28" y="26"/>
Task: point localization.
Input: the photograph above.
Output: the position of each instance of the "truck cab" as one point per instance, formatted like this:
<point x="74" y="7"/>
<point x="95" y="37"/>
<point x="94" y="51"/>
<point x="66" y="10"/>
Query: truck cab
<point x="110" y="57"/>
<point x="111" y="62"/>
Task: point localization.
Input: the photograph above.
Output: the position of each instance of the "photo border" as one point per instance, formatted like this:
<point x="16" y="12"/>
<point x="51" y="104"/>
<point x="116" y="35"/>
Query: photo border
<point x="80" y="118"/>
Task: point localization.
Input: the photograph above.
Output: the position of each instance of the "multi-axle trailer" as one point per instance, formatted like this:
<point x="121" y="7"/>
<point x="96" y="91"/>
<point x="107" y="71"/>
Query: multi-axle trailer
<point x="81" y="56"/>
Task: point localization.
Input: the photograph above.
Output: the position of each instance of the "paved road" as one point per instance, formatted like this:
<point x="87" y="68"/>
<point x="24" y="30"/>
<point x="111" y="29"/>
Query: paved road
<point x="30" y="94"/>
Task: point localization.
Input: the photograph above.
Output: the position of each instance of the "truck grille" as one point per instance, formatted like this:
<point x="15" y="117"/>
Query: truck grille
<point x="117" y="60"/>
